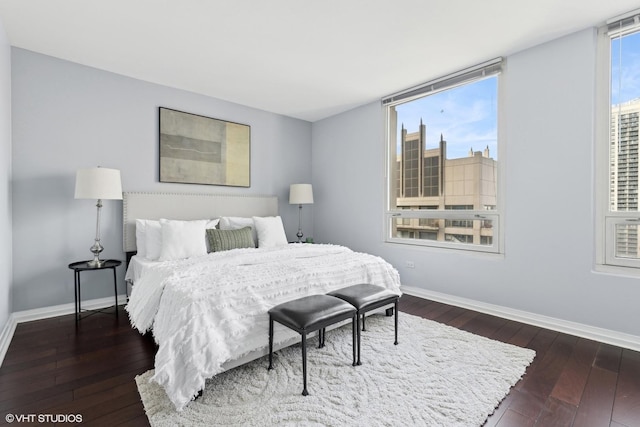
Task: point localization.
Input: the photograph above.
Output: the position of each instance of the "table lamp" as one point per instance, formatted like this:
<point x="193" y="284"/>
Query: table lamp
<point x="300" y="194"/>
<point x="98" y="183"/>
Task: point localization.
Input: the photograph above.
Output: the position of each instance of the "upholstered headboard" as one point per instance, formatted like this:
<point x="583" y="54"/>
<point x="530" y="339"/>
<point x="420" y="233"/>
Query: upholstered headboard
<point x="189" y="206"/>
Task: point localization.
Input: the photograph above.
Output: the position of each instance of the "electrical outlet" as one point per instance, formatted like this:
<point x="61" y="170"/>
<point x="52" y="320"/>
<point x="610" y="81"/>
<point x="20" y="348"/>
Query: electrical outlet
<point x="410" y="264"/>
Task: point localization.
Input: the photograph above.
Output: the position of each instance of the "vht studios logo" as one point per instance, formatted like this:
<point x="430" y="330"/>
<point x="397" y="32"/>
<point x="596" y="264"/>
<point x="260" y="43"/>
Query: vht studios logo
<point x="43" y="418"/>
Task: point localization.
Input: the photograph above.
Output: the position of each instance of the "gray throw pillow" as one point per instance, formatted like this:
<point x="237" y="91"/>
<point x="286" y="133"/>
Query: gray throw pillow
<point x="224" y="240"/>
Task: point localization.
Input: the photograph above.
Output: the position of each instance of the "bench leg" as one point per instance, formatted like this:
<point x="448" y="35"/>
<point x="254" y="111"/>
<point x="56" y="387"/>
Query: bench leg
<point x="363" y="328"/>
<point x="389" y="312"/>
<point x="355" y="329"/>
<point x="270" y="343"/>
<point x="396" y="320"/>
<point x="358" y="336"/>
<point x="304" y="364"/>
<point x="321" y="334"/>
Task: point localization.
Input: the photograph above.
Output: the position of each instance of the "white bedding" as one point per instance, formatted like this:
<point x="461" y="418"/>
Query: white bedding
<point x="208" y="310"/>
<point x="136" y="268"/>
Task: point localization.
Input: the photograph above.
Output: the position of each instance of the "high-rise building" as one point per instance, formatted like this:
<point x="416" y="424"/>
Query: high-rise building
<point x="426" y="179"/>
<point x="624" y="156"/>
<point x="623" y="170"/>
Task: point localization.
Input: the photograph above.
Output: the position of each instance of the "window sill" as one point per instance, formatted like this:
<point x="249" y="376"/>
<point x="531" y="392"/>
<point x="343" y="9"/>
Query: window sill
<point x="447" y="250"/>
<point x="615" y="270"/>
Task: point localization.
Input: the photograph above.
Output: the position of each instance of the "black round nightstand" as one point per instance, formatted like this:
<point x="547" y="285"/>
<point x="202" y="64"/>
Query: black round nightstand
<point x="79" y="266"/>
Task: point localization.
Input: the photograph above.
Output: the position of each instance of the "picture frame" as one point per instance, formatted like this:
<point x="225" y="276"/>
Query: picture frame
<point x="195" y="149"/>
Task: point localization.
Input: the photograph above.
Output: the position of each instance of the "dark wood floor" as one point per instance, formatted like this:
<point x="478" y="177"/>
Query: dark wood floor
<point x="53" y="368"/>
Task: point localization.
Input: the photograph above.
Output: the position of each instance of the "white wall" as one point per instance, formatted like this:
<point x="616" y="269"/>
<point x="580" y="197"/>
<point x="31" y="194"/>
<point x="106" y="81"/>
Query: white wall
<point x="67" y="116"/>
<point x="549" y="218"/>
<point x="5" y="177"/>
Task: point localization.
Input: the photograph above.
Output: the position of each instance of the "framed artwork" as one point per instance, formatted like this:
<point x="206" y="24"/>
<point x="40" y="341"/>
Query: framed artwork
<point x="200" y="150"/>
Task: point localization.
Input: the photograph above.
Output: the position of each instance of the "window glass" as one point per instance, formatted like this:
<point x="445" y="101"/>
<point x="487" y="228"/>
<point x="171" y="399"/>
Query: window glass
<point x="621" y="228"/>
<point x="625" y="111"/>
<point x="443" y="149"/>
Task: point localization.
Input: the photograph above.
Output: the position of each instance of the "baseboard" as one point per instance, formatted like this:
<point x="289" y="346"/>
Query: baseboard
<point x="45" y="313"/>
<point x="6" y="336"/>
<point x="607" y="336"/>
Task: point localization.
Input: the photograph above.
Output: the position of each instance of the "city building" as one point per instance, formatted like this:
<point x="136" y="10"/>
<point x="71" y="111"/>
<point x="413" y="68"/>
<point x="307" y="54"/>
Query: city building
<point x="624" y="156"/>
<point x="427" y="179"/>
<point x="623" y="195"/>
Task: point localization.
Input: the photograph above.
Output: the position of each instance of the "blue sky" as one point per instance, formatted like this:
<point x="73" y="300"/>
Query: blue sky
<point x="626" y="85"/>
<point x="466" y="116"/>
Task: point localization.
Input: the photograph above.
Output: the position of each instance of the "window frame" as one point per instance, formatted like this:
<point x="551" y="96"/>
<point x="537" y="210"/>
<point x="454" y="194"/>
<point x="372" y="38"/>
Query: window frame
<point x="496" y="215"/>
<point x="606" y="219"/>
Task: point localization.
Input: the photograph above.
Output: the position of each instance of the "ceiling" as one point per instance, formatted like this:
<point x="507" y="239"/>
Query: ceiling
<point x="304" y="59"/>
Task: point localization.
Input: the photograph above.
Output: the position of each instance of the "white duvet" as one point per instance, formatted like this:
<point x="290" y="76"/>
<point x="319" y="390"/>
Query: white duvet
<point x="206" y="311"/>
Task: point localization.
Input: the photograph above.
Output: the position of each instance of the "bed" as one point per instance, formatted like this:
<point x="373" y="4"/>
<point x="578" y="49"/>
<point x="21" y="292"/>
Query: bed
<point x="208" y="312"/>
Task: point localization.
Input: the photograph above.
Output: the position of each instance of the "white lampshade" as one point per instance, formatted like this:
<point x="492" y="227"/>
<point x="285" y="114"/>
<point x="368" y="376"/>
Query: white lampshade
<point x="98" y="183"/>
<point x="300" y="194"/>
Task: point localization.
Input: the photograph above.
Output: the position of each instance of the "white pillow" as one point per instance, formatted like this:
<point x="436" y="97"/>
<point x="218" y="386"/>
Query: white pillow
<point x="141" y="244"/>
<point x="153" y="240"/>
<point x="212" y="223"/>
<point x="182" y="239"/>
<point x="270" y="231"/>
<point x="236" y="222"/>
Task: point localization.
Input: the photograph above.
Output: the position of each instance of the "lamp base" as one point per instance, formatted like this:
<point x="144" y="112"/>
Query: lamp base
<point x="95" y="263"/>
<point x="299" y="234"/>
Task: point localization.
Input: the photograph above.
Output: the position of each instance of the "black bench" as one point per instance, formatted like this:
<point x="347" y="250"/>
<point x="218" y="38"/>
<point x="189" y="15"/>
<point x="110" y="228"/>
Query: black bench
<point x="365" y="297"/>
<point x="309" y="314"/>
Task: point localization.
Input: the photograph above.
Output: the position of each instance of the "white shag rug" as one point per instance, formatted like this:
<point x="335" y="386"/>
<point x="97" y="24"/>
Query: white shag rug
<point x="436" y="376"/>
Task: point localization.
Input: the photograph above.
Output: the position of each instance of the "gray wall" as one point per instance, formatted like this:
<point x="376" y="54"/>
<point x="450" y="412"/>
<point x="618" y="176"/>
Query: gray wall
<point x="549" y="218"/>
<point x="5" y="177"/>
<point x="67" y="116"/>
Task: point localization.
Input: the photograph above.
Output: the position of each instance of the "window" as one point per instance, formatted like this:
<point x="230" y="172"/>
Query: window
<point x="442" y="140"/>
<point x="618" y="200"/>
